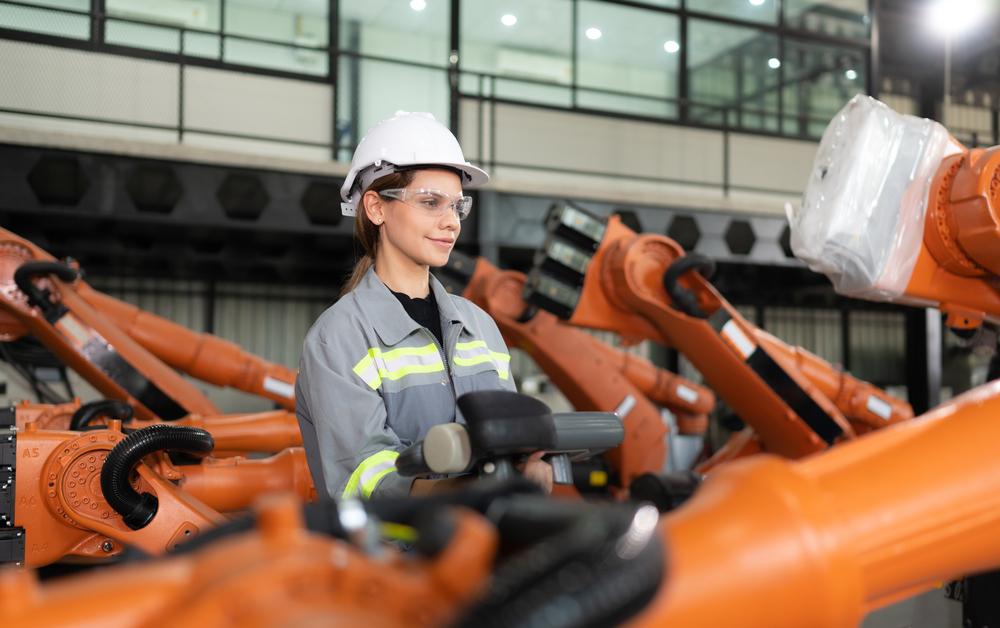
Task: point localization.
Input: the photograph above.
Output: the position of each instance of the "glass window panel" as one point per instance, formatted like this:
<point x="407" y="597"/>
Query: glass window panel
<point x="637" y="53"/>
<point x="512" y="89"/>
<point x="621" y="103"/>
<point x="201" y="45"/>
<point x="382" y="88"/>
<point x="736" y="68"/>
<point x="671" y="4"/>
<point x="391" y="28"/>
<point x="298" y="22"/>
<point x="276" y="56"/>
<point x="194" y="14"/>
<point x="524" y="90"/>
<point x="761" y="11"/>
<point x="48" y="22"/>
<point x="532" y="43"/>
<point x="819" y="80"/>
<point x="838" y="18"/>
<point x="142" y="36"/>
<point x="156" y="25"/>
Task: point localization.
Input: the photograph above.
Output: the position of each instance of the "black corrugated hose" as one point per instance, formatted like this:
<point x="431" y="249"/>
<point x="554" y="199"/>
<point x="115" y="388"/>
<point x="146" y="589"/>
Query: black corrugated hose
<point x="136" y="509"/>
<point x="29" y="270"/>
<point x="576" y="577"/>
<point x="110" y="408"/>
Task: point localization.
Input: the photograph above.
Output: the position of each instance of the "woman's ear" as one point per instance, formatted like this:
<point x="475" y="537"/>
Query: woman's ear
<point x="374" y="207"/>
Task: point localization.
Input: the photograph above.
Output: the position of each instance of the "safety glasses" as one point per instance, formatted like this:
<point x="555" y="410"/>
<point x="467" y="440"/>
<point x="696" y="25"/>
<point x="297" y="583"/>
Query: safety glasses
<point x="434" y="202"/>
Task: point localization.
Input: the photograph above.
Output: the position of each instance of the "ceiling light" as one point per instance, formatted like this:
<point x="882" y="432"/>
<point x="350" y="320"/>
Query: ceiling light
<point x="756" y="3"/>
<point x="508" y="20"/>
<point x="774" y="63"/>
<point x="953" y="17"/>
<point x="418" y="5"/>
<point x="851" y="75"/>
<point x="671" y="46"/>
<point x="593" y="33"/>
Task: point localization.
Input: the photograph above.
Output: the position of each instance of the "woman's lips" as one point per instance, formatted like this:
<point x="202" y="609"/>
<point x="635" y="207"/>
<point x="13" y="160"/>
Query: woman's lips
<point x="444" y="244"/>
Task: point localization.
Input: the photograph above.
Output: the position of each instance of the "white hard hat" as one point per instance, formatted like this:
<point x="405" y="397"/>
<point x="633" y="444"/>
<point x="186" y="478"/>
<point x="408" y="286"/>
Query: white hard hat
<point x="402" y="141"/>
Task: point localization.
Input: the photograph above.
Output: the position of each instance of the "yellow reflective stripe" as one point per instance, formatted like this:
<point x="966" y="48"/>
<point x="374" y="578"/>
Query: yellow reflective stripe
<point x="479" y="359"/>
<point x="503" y="357"/>
<point x="368" y="474"/>
<point x="497" y="358"/>
<point x="368" y="372"/>
<point x="398" y="532"/>
<point x="413" y="370"/>
<point x="395" y="353"/>
<point x="377" y="364"/>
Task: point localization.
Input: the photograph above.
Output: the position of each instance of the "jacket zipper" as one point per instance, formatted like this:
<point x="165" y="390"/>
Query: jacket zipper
<point x="444" y="358"/>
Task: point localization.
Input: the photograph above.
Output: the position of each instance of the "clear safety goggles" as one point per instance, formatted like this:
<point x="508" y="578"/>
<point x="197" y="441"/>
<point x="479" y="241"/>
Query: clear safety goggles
<point x="434" y="202"/>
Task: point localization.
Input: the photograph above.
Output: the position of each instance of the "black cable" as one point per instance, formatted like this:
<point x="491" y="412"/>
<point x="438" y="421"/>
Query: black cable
<point x="108" y="408"/>
<point x="138" y="509"/>
<point x="682" y="298"/>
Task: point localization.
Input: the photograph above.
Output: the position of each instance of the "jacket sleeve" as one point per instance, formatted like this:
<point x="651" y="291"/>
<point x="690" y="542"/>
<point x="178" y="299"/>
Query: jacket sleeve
<point x="357" y="449"/>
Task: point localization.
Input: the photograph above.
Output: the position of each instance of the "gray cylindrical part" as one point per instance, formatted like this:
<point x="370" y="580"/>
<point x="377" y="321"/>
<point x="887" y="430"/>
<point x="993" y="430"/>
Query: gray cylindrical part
<point x="587" y="430"/>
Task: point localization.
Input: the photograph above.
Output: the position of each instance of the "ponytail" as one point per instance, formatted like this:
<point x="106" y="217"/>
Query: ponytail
<point x="366" y="232"/>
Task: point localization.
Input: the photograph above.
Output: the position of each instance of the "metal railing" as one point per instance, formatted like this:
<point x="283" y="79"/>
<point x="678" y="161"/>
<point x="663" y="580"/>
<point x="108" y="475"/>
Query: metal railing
<point x="728" y="118"/>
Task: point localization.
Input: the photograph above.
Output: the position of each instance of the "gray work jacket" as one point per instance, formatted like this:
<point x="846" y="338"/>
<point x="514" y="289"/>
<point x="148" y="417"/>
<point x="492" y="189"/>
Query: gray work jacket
<point x="372" y="381"/>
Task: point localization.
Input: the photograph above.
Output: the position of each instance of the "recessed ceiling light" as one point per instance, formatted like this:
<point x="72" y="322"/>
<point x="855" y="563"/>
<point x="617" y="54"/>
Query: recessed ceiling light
<point x="671" y="46"/>
<point x="851" y="75"/>
<point x="756" y="3"/>
<point x="774" y="63"/>
<point x="508" y="20"/>
<point x="418" y="5"/>
<point x="593" y="33"/>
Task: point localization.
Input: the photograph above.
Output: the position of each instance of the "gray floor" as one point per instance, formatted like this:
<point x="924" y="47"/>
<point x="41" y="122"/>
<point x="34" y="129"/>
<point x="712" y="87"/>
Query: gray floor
<point x="930" y="610"/>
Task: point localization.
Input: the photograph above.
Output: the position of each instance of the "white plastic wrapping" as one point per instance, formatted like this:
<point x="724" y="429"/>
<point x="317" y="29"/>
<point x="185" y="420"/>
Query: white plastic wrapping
<point x="862" y="217"/>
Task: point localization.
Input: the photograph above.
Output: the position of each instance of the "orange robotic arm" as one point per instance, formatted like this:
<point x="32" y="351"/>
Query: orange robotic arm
<point x="824" y="541"/>
<point x="959" y="259"/>
<point x="202" y="356"/>
<point x="641" y="286"/>
<point x="270" y="431"/>
<point x="64" y="505"/>
<point x="277" y="574"/>
<point x="592" y="375"/>
<point x="38" y="297"/>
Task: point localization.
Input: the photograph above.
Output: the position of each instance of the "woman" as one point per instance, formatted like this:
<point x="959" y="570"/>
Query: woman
<point x="386" y="362"/>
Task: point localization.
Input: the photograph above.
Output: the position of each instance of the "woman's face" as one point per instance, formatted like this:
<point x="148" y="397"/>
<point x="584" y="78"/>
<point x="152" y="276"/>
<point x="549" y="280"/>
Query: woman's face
<point x="416" y="232"/>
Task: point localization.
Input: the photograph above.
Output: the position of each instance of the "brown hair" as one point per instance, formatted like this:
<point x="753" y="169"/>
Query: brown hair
<point x="366" y="232"/>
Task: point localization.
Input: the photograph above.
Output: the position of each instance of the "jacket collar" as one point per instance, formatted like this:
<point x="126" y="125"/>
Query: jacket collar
<point x="389" y="318"/>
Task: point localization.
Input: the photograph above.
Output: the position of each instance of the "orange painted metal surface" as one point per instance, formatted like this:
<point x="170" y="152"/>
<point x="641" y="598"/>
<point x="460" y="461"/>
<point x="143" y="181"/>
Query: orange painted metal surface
<point x="202" y="356"/>
<point x="959" y="258"/>
<point x="229" y="484"/>
<point x="623" y="292"/>
<point x="270" y="431"/>
<point x="152" y="345"/>
<point x="276" y="575"/>
<point x="593" y="375"/>
<point x="62" y="508"/>
<point x="74" y="335"/>
<point x="769" y="543"/>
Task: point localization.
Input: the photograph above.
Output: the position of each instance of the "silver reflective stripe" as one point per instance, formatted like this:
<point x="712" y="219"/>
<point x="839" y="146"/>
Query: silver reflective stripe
<point x="398" y="363"/>
<point x="371" y="476"/>
<point x="477" y="352"/>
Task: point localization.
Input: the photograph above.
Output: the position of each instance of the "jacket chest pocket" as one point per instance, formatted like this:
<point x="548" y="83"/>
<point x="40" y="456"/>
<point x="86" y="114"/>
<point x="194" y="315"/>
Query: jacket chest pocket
<point x="480" y="365"/>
